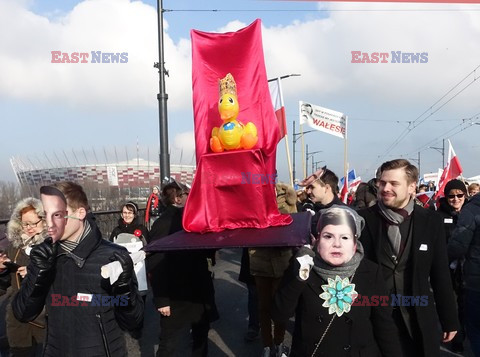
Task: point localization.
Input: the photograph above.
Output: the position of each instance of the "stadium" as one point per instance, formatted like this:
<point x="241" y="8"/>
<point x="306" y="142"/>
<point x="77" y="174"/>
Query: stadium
<point x="112" y="179"/>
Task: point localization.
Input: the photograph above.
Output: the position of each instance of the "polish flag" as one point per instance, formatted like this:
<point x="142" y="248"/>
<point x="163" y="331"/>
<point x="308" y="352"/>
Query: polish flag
<point x="275" y="87"/>
<point x="344" y="192"/>
<point x="452" y="170"/>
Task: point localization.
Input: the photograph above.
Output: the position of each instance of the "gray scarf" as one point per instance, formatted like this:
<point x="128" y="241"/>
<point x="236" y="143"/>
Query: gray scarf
<point x="346" y="270"/>
<point x="394" y="218"/>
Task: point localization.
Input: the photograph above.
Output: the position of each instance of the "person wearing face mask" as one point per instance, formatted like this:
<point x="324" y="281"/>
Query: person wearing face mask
<point x="25" y="229"/>
<point x="87" y="313"/>
<point x="129" y="223"/>
<point x="326" y="286"/>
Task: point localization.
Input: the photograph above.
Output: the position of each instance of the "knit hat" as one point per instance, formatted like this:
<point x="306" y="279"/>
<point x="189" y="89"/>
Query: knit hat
<point x="338" y="215"/>
<point x="133" y="206"/>
<point x="454" y="185"/>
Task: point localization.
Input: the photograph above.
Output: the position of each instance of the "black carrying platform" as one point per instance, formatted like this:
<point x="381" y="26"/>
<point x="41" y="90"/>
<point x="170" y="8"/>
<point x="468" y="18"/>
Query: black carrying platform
<point x="295" y="234"/>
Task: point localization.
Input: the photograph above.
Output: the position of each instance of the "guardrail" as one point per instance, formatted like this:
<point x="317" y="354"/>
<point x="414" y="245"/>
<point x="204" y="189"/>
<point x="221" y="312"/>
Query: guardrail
<point x="106" y="221"/>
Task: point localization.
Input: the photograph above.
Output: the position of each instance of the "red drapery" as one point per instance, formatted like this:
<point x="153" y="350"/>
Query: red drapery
<point x="213" y="56"/>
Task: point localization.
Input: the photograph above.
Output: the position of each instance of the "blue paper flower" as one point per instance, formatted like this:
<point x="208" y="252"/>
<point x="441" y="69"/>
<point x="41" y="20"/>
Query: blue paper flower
<point x="338" y="295"/>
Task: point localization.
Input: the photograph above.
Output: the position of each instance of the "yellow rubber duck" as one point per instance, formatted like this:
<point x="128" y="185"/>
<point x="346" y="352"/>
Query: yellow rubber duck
<point x="232" y="134"/>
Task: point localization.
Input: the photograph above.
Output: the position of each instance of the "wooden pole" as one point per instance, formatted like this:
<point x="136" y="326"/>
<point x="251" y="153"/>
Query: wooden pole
<point x="303" y="153"/>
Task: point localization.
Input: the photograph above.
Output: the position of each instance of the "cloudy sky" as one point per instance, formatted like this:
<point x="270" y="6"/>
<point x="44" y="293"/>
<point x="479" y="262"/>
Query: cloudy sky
<point x="57" y="112"/>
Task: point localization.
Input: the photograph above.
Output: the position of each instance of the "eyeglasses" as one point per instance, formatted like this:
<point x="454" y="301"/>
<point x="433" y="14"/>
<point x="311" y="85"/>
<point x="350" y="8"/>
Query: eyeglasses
<point x="460" y="195"/>
<point x="128" y="213"/>
<point x="30" y="225"/>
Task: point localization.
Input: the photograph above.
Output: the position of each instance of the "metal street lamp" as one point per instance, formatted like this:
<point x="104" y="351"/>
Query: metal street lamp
<point x="310" y="154"/>
<point x="441" y="151"/>
<point x="162" y="96"/>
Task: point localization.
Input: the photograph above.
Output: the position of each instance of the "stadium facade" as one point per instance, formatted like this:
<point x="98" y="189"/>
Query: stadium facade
<point x="137" y="173"/>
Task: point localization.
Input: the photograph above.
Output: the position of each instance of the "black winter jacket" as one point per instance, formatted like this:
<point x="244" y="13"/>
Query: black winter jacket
<point x="81" y="328"/>
<point x="364" y="331"/>
<point x="449" y="217"/>
<point x="465" y="242"/>
<point x="124" y="227"/>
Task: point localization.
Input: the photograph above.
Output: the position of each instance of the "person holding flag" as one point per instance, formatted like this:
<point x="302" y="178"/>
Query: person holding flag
<point x="452" y="170"/>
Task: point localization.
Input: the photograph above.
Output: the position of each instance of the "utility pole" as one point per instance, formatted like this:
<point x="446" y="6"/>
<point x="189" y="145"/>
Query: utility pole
<point x="295" y="137"/>
<point x="441" y="151"/>
<point x="311" y="154"/>
<point x="162" y="96"/>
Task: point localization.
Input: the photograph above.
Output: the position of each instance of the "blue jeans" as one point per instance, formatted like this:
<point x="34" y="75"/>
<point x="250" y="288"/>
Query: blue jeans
<point x="472" y="319"/>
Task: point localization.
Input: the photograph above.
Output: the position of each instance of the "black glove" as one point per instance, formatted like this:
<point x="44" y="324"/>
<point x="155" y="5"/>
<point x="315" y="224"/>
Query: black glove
<point x="43" y="257"/>
<point x="123" y="284"/>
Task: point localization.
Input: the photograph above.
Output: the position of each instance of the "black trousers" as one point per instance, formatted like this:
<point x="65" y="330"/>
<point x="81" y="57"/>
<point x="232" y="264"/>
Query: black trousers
<point x="410" y="347"/>
<point x="187" y="315"/>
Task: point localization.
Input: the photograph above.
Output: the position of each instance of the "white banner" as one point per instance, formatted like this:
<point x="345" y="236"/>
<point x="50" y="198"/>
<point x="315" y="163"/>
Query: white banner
<point x="323" y="119"/>
<point x="112" y="175"/>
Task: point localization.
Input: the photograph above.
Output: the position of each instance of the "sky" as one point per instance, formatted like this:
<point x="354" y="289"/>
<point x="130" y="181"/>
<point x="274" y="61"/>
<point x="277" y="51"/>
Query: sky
<point x="54" y="113"/>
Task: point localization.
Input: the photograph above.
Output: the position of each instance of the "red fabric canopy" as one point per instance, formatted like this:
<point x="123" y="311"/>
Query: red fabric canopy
<point x="213" y="56"/>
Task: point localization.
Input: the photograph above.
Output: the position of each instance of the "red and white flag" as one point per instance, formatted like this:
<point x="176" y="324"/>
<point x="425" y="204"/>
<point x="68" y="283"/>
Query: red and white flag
<point x="278" y="105"/>
<point x="452" y="170"/>
<point x="344" y="192"/>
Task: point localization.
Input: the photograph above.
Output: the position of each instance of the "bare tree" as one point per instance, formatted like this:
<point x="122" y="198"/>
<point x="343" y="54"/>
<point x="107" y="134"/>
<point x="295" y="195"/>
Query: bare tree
<point x="9" y="196"/>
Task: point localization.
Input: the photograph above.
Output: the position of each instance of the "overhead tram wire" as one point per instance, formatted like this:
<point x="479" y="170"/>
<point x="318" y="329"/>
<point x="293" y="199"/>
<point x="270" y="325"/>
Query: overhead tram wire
<point x="468" y="122"/>
<point x="419" y="121"/>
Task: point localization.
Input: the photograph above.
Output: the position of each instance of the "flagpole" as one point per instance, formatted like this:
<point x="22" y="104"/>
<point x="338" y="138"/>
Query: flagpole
<point x="345" y="157"/>
<point x="286" y="132"/>
<point x="303" y="152"/>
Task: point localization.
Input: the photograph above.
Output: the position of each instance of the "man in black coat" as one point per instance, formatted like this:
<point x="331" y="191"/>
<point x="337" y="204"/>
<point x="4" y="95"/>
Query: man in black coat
<point x="408" y="241"/>
<point x="181" y="282"/>
<point x="86" y="314"/>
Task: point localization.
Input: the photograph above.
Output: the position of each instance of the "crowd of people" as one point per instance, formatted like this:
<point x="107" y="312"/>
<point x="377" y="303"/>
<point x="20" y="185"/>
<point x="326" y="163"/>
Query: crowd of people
<point x="383" y="275"/>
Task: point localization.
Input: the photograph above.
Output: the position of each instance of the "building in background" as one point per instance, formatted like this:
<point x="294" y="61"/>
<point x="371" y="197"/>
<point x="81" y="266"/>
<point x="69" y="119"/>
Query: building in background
<point x="109" y="182"/>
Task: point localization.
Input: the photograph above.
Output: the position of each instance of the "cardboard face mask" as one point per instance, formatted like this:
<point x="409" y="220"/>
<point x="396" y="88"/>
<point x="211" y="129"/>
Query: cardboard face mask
<point x="55" y="207"/>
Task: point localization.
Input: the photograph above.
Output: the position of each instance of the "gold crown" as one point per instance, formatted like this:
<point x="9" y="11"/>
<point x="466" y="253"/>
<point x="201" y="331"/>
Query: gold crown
<point x="227" y="85"/>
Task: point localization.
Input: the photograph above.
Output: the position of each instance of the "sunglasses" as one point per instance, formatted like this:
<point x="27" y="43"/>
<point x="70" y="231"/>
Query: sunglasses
<point x="460" y="195"/>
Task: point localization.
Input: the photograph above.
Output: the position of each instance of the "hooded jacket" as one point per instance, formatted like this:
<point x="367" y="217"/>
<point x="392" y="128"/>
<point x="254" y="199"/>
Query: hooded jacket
<point x="15" y="234"/>
<point x="21" y="334"/>
<point x="465" y="242"/>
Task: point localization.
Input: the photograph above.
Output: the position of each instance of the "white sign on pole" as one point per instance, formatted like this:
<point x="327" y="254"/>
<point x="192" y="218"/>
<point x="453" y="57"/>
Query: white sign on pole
<point x="323" y="119"/>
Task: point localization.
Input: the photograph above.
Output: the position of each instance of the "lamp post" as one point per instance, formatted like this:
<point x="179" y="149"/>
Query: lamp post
<point x="295" y="137"/>
<point x="418" y="162"/>
<point x="316" y="164"/>
<point x="162" y="96"/>
<point x="311" y="155"/>
<point x="441" y="151"/>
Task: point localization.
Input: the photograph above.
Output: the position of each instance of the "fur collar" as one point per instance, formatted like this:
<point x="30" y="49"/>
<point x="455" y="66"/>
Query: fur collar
<point x="15" y="233"/>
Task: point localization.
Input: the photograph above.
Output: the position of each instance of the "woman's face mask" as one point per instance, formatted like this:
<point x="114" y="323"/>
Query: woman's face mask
<point x="336" y="244"/>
